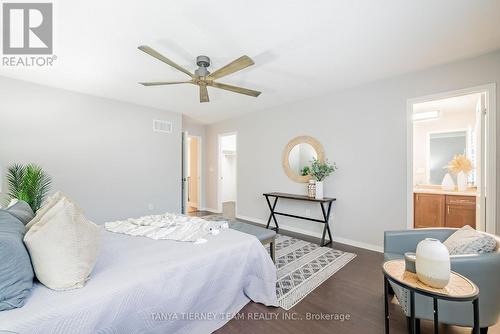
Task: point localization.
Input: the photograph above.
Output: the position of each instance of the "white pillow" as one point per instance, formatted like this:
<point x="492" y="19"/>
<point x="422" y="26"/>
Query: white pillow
<point x="469" y="241"/>
<point x="63" y="245"/>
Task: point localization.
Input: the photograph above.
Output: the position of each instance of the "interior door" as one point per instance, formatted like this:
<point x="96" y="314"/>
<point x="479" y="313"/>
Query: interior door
<point x="184" y="180"/>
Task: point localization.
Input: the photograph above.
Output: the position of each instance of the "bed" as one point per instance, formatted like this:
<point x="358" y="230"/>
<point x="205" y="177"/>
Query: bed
<point x="140" y="285"/>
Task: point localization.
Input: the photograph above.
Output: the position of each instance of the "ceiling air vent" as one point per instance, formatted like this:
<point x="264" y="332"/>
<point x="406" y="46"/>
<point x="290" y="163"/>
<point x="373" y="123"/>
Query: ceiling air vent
<point x="162" y="126"/>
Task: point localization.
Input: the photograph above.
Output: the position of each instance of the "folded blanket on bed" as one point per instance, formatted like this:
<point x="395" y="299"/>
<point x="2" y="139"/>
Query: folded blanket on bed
<point x="168" y="226"/>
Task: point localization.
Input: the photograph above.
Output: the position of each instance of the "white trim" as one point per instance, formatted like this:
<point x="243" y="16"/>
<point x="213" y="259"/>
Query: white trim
<point x="490" y="191"/>
<point x="318" y="235"/>
<point x="219" y="183"/>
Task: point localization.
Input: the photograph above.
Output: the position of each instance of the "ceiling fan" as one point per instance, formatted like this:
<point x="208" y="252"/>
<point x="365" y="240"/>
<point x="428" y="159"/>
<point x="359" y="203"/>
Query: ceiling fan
<point x="202" y="77"/>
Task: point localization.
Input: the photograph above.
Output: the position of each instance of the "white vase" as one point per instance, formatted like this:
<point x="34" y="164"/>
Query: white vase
<point x="319" y="190"/>
<point x="448" y="183"/>
<point x="461" y="181"/>
<point x="433" y="263"/>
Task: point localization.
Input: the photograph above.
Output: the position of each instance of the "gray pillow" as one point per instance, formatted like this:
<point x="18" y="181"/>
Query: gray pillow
<point x="16" y="272"/>
<point x="467" y="240"/>
<point x="22" y="211"/>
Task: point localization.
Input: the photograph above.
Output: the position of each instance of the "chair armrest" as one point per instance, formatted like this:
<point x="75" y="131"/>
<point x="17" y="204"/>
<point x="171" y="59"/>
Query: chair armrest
<point x="400" y="242"/>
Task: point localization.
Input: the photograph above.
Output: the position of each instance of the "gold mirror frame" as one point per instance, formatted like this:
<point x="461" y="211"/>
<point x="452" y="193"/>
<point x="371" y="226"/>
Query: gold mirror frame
<point x="286" y="153"/>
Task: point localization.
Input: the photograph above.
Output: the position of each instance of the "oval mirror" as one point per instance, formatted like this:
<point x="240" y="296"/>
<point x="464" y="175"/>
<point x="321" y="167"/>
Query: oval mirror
<point x="298" y="154"/>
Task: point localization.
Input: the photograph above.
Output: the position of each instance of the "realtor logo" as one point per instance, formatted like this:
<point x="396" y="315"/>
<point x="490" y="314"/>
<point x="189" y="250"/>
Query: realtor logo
<point x="27" y="28"/>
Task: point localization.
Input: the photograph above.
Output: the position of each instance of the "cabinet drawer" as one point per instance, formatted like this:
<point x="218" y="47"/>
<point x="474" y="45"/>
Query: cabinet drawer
<point x="460" y="200"/>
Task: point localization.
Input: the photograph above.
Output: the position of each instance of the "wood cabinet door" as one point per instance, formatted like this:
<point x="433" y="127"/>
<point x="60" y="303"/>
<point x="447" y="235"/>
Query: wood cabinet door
<point x="460" y="211"/>
<point x="428" y="210"/>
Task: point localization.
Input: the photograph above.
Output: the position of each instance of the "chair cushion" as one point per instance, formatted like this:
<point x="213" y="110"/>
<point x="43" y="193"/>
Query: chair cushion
<point x="469" y="241"/>
<point x="16" y="272"/>
<point x="261" y="233"/>
<point x="21" y="210"/>
<point x="63" y="245"/>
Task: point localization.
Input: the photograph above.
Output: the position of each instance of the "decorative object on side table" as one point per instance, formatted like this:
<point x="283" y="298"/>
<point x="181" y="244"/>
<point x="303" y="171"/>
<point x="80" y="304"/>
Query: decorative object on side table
<point x="461" y="167"/>
<point x="320" y="171"/>
<point x="448" y="183"/>
<point x="410" y="259"/>
<point x="311" y="188"/>
<point x="28" y="183"/>
<point x="433" y="263"/>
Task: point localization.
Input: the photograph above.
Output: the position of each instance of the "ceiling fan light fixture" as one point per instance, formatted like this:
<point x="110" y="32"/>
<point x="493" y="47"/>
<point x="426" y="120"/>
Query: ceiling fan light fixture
<point x="202" y="77"/>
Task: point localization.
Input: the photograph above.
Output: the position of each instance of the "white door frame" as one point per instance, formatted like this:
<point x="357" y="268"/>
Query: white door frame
<point x="219" y="170"/>
<point x="200" y="174"/>
<point x="490" y="144"/>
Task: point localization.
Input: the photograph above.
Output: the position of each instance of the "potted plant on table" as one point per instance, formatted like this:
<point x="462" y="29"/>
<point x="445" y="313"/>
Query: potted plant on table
<point x="320" y="171"/>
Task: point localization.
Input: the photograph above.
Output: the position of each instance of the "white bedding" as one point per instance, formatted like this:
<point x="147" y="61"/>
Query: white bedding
<point x="140" y="285"/>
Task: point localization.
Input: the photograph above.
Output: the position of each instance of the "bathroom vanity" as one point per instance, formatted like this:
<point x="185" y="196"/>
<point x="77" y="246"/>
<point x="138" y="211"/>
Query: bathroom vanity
<point x="434" y="207"/>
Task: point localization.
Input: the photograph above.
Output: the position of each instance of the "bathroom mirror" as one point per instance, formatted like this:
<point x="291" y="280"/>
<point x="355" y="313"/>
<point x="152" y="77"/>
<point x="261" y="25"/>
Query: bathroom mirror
<point x="298" y="153"/>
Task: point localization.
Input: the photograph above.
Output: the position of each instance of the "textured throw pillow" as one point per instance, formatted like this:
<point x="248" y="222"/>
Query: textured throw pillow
<point x="16" y="273"/>
<point x="469" y="241"/>
<point x="63" y="245"/>
<point x="21" y="210"/>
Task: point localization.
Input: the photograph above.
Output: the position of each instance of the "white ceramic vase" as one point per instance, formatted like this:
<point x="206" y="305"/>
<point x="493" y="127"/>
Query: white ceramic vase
<point x="433" y="263"/>
<point x="319" y="190"/>
<point x="462" y="181"/>
<point x="448" y="183"/>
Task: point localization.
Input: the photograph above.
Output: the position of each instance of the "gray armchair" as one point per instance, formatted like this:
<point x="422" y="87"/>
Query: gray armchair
<point x="482" y="269"/>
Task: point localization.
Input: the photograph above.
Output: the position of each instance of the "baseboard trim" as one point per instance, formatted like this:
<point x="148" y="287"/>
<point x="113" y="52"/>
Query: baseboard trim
<point x="345" y="241"/>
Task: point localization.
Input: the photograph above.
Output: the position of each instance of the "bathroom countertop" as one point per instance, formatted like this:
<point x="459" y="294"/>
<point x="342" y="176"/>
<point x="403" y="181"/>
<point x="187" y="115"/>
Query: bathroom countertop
<point x="439" y="191"/>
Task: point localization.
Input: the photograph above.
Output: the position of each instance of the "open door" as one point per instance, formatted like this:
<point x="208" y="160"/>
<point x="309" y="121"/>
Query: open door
<point x="184" y="180"/>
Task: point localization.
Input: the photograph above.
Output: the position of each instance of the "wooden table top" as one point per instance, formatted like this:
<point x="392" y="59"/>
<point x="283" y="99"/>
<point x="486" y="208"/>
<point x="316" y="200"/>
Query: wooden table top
<point x="299" y="197"/>
<point x="458" y="288"/>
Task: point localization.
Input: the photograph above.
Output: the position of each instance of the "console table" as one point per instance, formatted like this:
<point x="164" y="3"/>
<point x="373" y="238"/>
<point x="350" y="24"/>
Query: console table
<point x="326" y="212"/>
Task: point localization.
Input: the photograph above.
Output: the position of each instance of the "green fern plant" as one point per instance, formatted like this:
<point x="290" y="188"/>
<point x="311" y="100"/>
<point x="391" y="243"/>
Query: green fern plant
<point x="28" y="183"/>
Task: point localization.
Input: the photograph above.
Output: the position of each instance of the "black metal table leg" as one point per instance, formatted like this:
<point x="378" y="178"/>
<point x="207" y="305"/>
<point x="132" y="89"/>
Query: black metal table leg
<point x="386" y="304"/>
<point x="436" y="316"/>
<point x="412" y="313"/>
<point x="272" y="216"/>
<point x="326" y="217"/>
<point x="475" y="305"/>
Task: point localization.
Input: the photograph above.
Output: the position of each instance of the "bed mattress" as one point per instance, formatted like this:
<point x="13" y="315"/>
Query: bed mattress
<point x="140" y="285"/>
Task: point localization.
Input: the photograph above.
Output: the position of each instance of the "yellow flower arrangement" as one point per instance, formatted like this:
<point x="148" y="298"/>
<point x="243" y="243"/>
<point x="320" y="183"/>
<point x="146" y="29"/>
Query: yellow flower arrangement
<point x="459" y="163"/>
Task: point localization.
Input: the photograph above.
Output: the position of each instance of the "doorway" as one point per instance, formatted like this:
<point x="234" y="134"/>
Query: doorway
<point x="191" y="180"/>
<point x="227" y="175"/>
<point x="452" y="160"/>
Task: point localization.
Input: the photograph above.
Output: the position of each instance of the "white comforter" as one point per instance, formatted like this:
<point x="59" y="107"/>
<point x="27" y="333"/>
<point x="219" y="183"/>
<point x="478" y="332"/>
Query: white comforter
<point x="168" y="226"/>
<point x="140" y="285"/>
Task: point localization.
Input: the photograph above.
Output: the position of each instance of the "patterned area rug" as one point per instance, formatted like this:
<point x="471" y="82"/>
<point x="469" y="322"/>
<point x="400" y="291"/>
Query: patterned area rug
<point x="301" y="266"/>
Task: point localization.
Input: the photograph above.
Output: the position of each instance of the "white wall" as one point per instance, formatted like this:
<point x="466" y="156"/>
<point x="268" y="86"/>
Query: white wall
<point x="363" y="129"/>
<point x="100" y="152"/>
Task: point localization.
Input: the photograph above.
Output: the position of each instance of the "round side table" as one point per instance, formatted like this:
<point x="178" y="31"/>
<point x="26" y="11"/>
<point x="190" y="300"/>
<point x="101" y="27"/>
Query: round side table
<point x="459" y="289"/>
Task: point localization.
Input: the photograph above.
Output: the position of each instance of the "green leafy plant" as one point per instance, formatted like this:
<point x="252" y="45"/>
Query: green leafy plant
<point x="28" y="183"/>
<point x="320" y="170"/>
<point x="305" y="171"/>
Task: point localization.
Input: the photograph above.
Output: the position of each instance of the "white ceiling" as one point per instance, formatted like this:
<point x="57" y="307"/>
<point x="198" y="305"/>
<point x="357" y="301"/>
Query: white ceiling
<point x="301" y="48"/>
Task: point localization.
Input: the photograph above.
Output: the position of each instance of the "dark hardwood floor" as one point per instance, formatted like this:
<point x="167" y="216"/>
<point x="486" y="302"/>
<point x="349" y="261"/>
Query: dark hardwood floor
<point x="356" y="292"/>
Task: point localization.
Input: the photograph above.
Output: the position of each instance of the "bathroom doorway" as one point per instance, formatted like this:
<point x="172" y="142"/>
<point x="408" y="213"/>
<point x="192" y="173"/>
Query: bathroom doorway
<point x="227" y="185"/>
<point x="452" y="160"/>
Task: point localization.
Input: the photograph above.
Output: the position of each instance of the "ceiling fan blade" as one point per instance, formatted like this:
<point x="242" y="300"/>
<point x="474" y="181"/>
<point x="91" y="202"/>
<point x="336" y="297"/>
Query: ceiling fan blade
<point x="204" y="94"/>
<point x="164" y="59"/>
<point x="235" y="89"/>
<point x="162" y="83"/>
<point x="236" y="65"/>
